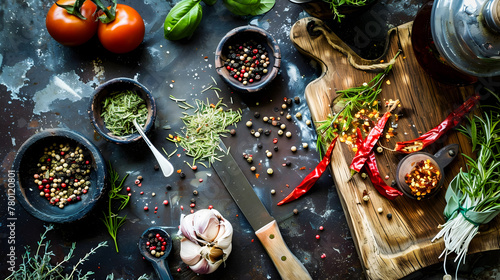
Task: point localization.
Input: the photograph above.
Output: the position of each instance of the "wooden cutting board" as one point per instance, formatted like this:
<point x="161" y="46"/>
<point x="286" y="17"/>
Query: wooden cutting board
<point x="389" y="248"/>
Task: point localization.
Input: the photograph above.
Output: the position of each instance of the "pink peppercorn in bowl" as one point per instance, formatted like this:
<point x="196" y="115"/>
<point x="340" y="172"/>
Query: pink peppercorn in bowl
<point x="248" y="58"/>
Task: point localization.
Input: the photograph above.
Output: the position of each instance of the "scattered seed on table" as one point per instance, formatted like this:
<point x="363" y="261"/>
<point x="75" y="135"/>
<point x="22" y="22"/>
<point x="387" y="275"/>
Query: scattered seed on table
<point x="276" y="148"/>
<point x="182" y="207"/>
<point x="270" y="171"/>
<point x="169" y="187"/>
<point x="269" y="154"/>
<point x="232" y="131"/>
<point x="195" y="192"/>
<point x="317" y="236"/>
<point x="308" y="122"/>
<point x="393" y="183"/>
<point x="192" y="205"/>
<point x="298" y="115"/>
<point x="305" y="145"/>
<point x="257" y="134"/>
<point x="200" y="180"/>
<point x="153" y="194"/>
<point x="259" y="145"/>
<point x="288" y="116"/>
<point x="283" y="126"/>
<point x="380" y="210"/>
<point x="323" y="255"/>
<point x="380" y="149"/>
<point x="249" y="124"/>
<point x="288" y="163"/>
<point x="250" y="159"/>
<point x="273" y="191"/>
<point x="210" y="207"/>
<point x="156" y="167"/>
<point x="288" y="101"/>
<point x="296" y="99"/>
<point x="146" y="208"/>
<point x="156" y="207"/>
<point x="253" y="168"/>
<point x="129" y="194"/>
<point x="321" y="228"/>
<point x="193" y="200"/>
<point x="252" y="131"/>
<point x="283" y="106"/>
<point x="295" y="211"/>
<point x="366" y="198"/>
<point x="141" y="193"/>
<point x="364" y="175"/>
<point x="293" y="149"/>
<point x="280" y="132"/>
<point x="165" y="202"/>
<point x="182" y="175"/>
<point x="387" y="177"/>
<point x="288" y="134"/>
<point x="267" y="132"/>
<point x="139" y="177"/>
<point x="137" y="181"/>
<point x="128" y="189"/>
<point x="194" y="167"/>
<point x="275" y="140"/>
<point x="265" y="119"/>
<point x="260" y="130"/>
<point x="256" y="115"/>
<point x="389" y="216"/>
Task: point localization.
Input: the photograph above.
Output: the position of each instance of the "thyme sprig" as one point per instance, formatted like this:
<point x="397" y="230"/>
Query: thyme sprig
<point x="335" y="4"/>
<point x="111" y="219"/>
<point x="349" y="100"/>
<point x="203" y="128"/>
<point x="40" y="265"/>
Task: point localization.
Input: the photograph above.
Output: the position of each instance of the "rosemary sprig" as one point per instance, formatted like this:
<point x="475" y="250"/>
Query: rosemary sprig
<point x="203" y="128"/>
<point x="111" y="219"/>
<point x="335" y="4"/>
<point x="39" y="266"/>
<point x="350" y="100"/>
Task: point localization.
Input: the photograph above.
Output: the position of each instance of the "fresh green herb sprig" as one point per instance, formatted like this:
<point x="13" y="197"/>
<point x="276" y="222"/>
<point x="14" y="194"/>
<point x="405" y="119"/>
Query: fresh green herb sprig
<point x="120" y="109"/>
<point x="349" y="100"/>
<point x="40" y="265"/>
<point x="473" y="196"/>
<point x="202" y="130"/>
<point x="335" y="4"/>
<point x="111" y="219"/>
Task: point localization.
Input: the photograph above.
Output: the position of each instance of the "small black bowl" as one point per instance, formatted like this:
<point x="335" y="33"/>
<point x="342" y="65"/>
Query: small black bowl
<point x="242" y="35"/>
<point x="25" y="166"/>
<point x="114" y="85"/>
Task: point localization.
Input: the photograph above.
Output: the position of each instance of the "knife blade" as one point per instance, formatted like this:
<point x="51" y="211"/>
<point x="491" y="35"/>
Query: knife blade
<point x="265" y="226"/>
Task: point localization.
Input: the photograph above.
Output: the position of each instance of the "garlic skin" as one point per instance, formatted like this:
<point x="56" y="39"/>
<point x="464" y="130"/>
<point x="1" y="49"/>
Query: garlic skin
<point x="207" y="240"/>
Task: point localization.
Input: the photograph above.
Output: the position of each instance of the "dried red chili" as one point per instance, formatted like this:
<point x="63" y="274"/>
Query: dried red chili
<point x="453" y="119"/>
<point x="371" y="169"/>
<point x="366" y="147"/>
<point x="312" y="177"/>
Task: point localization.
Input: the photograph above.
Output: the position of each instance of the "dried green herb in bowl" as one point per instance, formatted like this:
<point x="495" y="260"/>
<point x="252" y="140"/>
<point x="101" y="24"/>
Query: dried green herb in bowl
<point x="114" y="106"/>
<point x="120" y="109"/>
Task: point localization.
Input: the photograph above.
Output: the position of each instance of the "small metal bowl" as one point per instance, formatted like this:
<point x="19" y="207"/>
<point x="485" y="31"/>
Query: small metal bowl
<point x="440" y="159"/>
<point x="242" y="35"/>
<point x="114" y="85"/>
<point x="25" y="166"/>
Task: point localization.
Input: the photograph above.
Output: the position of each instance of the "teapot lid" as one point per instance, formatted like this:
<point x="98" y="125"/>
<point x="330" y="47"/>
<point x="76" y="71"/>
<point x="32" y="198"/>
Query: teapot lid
<point x="467" y="34"/>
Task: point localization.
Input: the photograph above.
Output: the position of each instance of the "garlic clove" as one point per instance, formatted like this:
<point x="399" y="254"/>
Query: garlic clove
<point x="202" y="267"/>
<point x="189" y="231"/>
<point x="206" y="224"/>
<point x="215" y="254"/>
<point x="225" y="236"/>
<point x="190" y="252"/>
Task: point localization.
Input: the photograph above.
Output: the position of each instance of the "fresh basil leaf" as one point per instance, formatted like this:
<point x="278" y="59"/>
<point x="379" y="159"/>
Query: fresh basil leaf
<point x="241" y="7"/>
<point x="182" y="20"/>
<point x="263" y="7"/>
<point x="210" y="2"/>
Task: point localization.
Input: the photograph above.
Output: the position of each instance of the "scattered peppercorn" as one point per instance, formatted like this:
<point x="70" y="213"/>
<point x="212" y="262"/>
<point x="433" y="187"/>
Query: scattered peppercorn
<point x="169" y="187"/>
<point x="256" y="115"/>
<point x="293" y="149"/>
<point x="265" y="119"/>
<point x="139" y="177"/>
<point x="232" y="131"/>
<point x="146" y="208"/>
<point x="182" y="175"/>
<point x="253" y="168"/>
<point x="156" y="167"/>
<point x="288" y="116"/>
<point x="280" y="132"/>
<point x="305" y="145"/>
<point x="366" y="198"/>
<point x="270" y="171"/>
<point x="380" y="149"/>
<point x="276" y="148"/>
<point x="321" y="228"/>
<point x="273" y="191"/>
<point x="317" y="236"/>
<point x="288" y="163"/>
<point x="195" y="192"/>
<point x="323" y="255"/>
<point x="288" y="134"/>
<point x="165" y="202"/>
<point x="296" y="99"/>
<point x="308" y="123"/>
<point x="295" y="211"/>
<point x="249" y="124"/>
<point x="380" y="210"/>
<point x="389" y="216"/>
<point x="298" y="115"/>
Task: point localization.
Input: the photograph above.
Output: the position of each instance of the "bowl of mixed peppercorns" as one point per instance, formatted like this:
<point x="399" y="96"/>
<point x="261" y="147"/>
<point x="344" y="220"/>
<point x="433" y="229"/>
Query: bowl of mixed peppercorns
<point x="114" y="106"/>
<point x="248" y="58"/>
<point x="59" y="175"/>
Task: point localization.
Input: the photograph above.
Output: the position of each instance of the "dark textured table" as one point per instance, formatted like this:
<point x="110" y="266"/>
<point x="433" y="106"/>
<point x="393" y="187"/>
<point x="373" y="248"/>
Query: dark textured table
<point x="46" y="85"/>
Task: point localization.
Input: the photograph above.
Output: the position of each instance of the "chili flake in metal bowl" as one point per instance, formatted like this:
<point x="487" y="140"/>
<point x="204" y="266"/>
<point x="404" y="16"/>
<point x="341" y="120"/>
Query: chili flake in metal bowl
<point x="423" y="177"/>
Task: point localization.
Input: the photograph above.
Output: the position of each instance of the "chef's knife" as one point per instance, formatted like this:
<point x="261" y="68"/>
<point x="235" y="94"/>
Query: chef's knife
<point x="265" y="227"/>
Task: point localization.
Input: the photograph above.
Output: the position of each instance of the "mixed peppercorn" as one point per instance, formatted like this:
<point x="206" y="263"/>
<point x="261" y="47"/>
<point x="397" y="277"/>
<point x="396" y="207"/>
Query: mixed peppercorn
<point x="156" y="244"/>
<point x="63" y="174"/>
<point x="247" y="62"/>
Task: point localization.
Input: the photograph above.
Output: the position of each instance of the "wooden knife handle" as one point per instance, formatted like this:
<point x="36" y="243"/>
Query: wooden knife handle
<point x="289" y="267"/>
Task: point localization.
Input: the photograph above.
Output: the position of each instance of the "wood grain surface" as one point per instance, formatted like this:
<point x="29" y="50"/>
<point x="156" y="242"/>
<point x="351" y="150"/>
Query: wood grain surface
<point x="389" y="248"/>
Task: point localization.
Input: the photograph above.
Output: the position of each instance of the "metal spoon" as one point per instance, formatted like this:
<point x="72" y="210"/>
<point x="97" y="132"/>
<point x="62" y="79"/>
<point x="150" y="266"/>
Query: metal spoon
<point x="165" y="165"/>
<point x="159" y="264"/>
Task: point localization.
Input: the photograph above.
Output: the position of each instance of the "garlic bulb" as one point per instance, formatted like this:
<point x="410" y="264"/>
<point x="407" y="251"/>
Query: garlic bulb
<point x="207" y="240"/>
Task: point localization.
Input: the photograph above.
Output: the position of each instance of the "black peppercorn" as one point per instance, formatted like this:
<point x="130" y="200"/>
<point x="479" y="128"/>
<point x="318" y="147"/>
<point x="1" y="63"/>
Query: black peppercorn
<point x="256" y="115"/>
<point x="276" y="148"/>
<point x="195" y="192"/>
<point x="182" y="175"/>
<point x="169" y="187"/>
<point x="389" y="216"/>
<point x="259" y="145"/>
<point x="193" y="200"/>
<point x="296" y="99"/>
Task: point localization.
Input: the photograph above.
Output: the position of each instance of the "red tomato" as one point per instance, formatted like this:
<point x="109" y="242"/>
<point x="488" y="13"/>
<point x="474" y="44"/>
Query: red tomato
<point x="125" y="33"/>
<point x="68" y="29"/>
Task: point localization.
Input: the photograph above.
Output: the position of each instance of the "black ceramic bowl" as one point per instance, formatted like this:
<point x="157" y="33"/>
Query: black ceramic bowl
<point x="114" y="85"/>
<point x="25" y="166"/>
<point x="242" y="35"/>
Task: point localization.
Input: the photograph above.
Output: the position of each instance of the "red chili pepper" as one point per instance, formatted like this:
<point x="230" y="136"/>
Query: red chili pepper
<point x="312" y="177"/>
<point x="372" y="170"/>
<point x="453" y="119"/>
<point x="367" y="146"/>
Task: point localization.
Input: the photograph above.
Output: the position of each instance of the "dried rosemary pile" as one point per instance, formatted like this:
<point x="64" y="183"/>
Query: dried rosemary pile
<point x="203" y="128"/>
<point x="120" y="108"/>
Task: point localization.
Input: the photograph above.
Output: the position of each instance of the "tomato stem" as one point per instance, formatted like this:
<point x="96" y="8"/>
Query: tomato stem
<point x="74" y="9"/>
<point x="108" y="15"/>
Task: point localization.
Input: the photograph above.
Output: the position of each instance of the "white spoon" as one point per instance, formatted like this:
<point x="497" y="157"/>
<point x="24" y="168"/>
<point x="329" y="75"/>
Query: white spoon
<point x="165" y="165"/>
